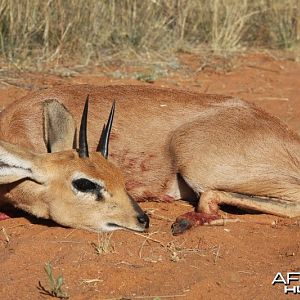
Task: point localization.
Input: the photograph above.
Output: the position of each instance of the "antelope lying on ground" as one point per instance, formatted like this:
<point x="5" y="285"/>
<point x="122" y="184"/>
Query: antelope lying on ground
<point x="170" y="144"/>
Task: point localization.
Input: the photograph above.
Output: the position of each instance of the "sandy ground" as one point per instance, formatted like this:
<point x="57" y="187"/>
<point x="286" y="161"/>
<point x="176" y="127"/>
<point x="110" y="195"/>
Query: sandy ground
<point x="235" y="261"/>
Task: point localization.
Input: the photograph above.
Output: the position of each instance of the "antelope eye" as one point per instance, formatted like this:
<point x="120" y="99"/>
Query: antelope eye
<point x="84" y="185"/>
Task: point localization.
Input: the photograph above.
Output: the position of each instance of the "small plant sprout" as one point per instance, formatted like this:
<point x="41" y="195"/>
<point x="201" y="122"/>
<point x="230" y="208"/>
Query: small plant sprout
<point x="55" y="284"/>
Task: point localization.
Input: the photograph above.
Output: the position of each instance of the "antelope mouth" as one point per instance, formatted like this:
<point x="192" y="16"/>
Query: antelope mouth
<point x="114" y="226"/>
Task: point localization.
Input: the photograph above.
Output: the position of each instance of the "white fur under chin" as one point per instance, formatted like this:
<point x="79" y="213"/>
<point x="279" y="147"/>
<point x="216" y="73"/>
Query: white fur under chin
<point x="14" y="171"/>
<point x="13" y="160"/>
<point x="108" y="228"/>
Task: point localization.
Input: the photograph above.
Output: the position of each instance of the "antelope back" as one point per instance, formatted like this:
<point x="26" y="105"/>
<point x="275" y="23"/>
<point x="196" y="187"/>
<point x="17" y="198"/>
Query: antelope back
<point x="145" y="120"/>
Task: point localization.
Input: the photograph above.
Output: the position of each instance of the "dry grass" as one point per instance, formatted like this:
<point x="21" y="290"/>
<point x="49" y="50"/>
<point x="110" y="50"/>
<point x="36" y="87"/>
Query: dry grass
<point x="7" y="239"/>
<point x="104" y="244"/>
<point x="35" y="32"/>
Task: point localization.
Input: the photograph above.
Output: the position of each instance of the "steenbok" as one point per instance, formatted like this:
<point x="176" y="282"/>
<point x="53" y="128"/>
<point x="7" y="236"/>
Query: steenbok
<point x="165" y="144"/>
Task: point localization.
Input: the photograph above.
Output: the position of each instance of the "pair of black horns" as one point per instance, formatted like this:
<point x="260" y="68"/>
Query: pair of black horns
<point x="104" y="139"/>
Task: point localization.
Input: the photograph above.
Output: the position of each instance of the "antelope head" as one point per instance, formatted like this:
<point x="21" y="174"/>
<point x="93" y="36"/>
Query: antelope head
<point x="74" y="188"/>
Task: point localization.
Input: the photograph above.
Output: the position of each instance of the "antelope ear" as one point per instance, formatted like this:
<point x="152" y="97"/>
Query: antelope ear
<point x="18" y="163"/>
<point x="59" y="127"/>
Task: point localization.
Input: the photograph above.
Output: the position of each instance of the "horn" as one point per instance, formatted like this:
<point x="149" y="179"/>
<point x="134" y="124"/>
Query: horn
<point x="83" y="145"/>
<point x="104" y="139"/>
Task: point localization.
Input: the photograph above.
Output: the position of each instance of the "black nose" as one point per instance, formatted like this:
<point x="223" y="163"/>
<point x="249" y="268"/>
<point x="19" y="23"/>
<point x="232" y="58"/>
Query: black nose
<point x="144" y="220"/>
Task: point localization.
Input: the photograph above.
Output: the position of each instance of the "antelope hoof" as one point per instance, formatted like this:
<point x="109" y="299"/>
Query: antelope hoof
<point x="3" y="216"/>
<point x="191" y="219"/>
